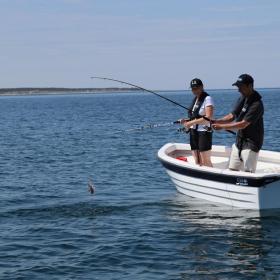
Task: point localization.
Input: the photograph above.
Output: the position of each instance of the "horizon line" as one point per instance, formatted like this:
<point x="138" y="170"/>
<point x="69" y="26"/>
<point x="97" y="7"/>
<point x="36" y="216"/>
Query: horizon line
<point x="116" y="88"/>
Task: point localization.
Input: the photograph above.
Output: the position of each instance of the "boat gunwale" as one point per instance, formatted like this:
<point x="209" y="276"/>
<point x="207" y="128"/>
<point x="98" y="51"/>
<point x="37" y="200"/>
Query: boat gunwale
<point x="230" y="177"/>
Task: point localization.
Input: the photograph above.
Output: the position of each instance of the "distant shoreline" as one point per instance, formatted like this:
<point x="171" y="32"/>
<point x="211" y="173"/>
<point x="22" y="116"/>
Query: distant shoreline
<point x="58" y="90"/>
<point x="68" y="91"/>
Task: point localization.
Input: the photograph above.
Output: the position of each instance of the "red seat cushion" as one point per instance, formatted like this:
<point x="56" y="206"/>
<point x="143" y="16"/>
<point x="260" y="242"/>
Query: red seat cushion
<point x="182" y="158"/>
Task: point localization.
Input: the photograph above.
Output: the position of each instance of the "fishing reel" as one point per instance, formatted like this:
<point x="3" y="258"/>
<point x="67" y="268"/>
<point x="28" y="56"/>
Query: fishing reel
<point x="208" y="128"/>
<point x="187" y="130"/>
<point x="183" y="130"/>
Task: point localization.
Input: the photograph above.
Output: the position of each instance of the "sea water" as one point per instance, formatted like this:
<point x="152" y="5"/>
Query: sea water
<point x="135" y="226"/>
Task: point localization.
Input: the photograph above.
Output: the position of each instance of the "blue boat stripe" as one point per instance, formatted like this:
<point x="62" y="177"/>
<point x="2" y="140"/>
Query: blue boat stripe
<point x="223" y="178"/>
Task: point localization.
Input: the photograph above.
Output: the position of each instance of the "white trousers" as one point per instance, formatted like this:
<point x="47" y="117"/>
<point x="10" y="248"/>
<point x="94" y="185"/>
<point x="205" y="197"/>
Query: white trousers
<point x="249" y="160"/>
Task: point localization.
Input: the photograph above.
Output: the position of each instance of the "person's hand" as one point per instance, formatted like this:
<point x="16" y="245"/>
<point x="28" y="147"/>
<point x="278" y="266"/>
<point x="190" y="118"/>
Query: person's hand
<point x="187" y="124"/>
<point x="181" y="121"/>
<point x="217" y="126"/>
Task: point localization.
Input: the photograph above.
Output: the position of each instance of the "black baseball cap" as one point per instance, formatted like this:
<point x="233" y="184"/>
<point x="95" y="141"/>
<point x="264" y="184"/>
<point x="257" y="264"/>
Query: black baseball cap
<point x="244" y="79"/>
<point x="196" y="83"/>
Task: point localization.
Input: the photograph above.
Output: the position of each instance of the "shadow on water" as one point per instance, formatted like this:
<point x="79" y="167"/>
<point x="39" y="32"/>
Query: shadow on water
<point x="222" y="242"/>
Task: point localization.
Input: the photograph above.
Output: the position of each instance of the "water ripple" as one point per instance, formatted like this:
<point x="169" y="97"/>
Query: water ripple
<point x="136" y="226"/>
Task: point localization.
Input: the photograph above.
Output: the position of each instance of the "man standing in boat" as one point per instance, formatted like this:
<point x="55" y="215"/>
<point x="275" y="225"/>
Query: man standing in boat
<point x="200" y="130"/>
<point x="248" y="116"/>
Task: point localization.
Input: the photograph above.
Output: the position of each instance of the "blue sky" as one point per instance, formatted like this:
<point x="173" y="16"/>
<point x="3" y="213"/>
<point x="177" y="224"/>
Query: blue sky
<point x="157" y="44"/>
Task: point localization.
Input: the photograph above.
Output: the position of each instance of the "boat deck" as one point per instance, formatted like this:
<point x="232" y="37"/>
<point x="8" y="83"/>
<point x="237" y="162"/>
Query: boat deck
<point x="221" y="161"/>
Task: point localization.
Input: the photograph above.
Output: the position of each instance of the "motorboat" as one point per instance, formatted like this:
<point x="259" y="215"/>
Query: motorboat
<point x="218" y="184"/>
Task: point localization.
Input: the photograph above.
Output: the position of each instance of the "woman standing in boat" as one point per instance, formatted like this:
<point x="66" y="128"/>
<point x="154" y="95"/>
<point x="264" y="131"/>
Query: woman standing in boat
<point x="200" y="129"/>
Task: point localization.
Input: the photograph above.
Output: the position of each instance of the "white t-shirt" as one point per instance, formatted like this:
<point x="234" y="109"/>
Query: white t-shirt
<point x="208" y="101"/>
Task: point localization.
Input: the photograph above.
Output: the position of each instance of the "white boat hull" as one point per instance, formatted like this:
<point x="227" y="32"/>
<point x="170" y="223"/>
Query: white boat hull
<point x="243" y="197"/>
<point x="237" y="189"/>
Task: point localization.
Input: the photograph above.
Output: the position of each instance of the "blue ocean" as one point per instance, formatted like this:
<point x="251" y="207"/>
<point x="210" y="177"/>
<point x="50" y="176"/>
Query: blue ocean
<point x="136" y="225"/>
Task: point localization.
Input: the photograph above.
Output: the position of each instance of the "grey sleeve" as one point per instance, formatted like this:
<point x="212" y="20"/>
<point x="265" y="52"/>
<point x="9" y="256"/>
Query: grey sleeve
<point x="254" y="112"/>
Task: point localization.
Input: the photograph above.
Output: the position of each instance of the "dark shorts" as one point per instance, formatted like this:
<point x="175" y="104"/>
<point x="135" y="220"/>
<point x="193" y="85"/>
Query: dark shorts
<point x="200" y="140"/>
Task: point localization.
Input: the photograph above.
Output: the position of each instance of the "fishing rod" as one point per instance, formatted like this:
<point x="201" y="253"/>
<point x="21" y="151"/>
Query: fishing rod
<point x="150" y="91"/>
<point x="122" y="82"/>
<point x="151" y="126"/>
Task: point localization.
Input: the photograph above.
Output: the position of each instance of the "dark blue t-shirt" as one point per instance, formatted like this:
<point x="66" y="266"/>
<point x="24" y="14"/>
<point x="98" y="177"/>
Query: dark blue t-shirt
<point x="251" y="110"/>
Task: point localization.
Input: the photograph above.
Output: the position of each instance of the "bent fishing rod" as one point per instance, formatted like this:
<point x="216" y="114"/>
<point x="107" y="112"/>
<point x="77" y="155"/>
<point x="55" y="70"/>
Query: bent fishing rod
<point x="159" y="95"/>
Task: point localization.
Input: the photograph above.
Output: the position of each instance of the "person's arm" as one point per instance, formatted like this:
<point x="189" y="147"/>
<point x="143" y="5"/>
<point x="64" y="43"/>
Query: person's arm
<point x="226" y="119"/>
<point x="254" y="113"/>
<point x="232" y="115"/>
<point x="231" y="126"/>
<point x="208" y="114"/>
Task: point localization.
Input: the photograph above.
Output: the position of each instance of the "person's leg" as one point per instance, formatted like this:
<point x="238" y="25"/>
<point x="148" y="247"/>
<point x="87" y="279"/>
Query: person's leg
<point x="206" y="158"/>
<point x="234" y="161"/>
<point x="194" y="145"/>
<point x="205" y="146"/>
<point x="250" y="159"/>
<point x="196" y="156"/>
